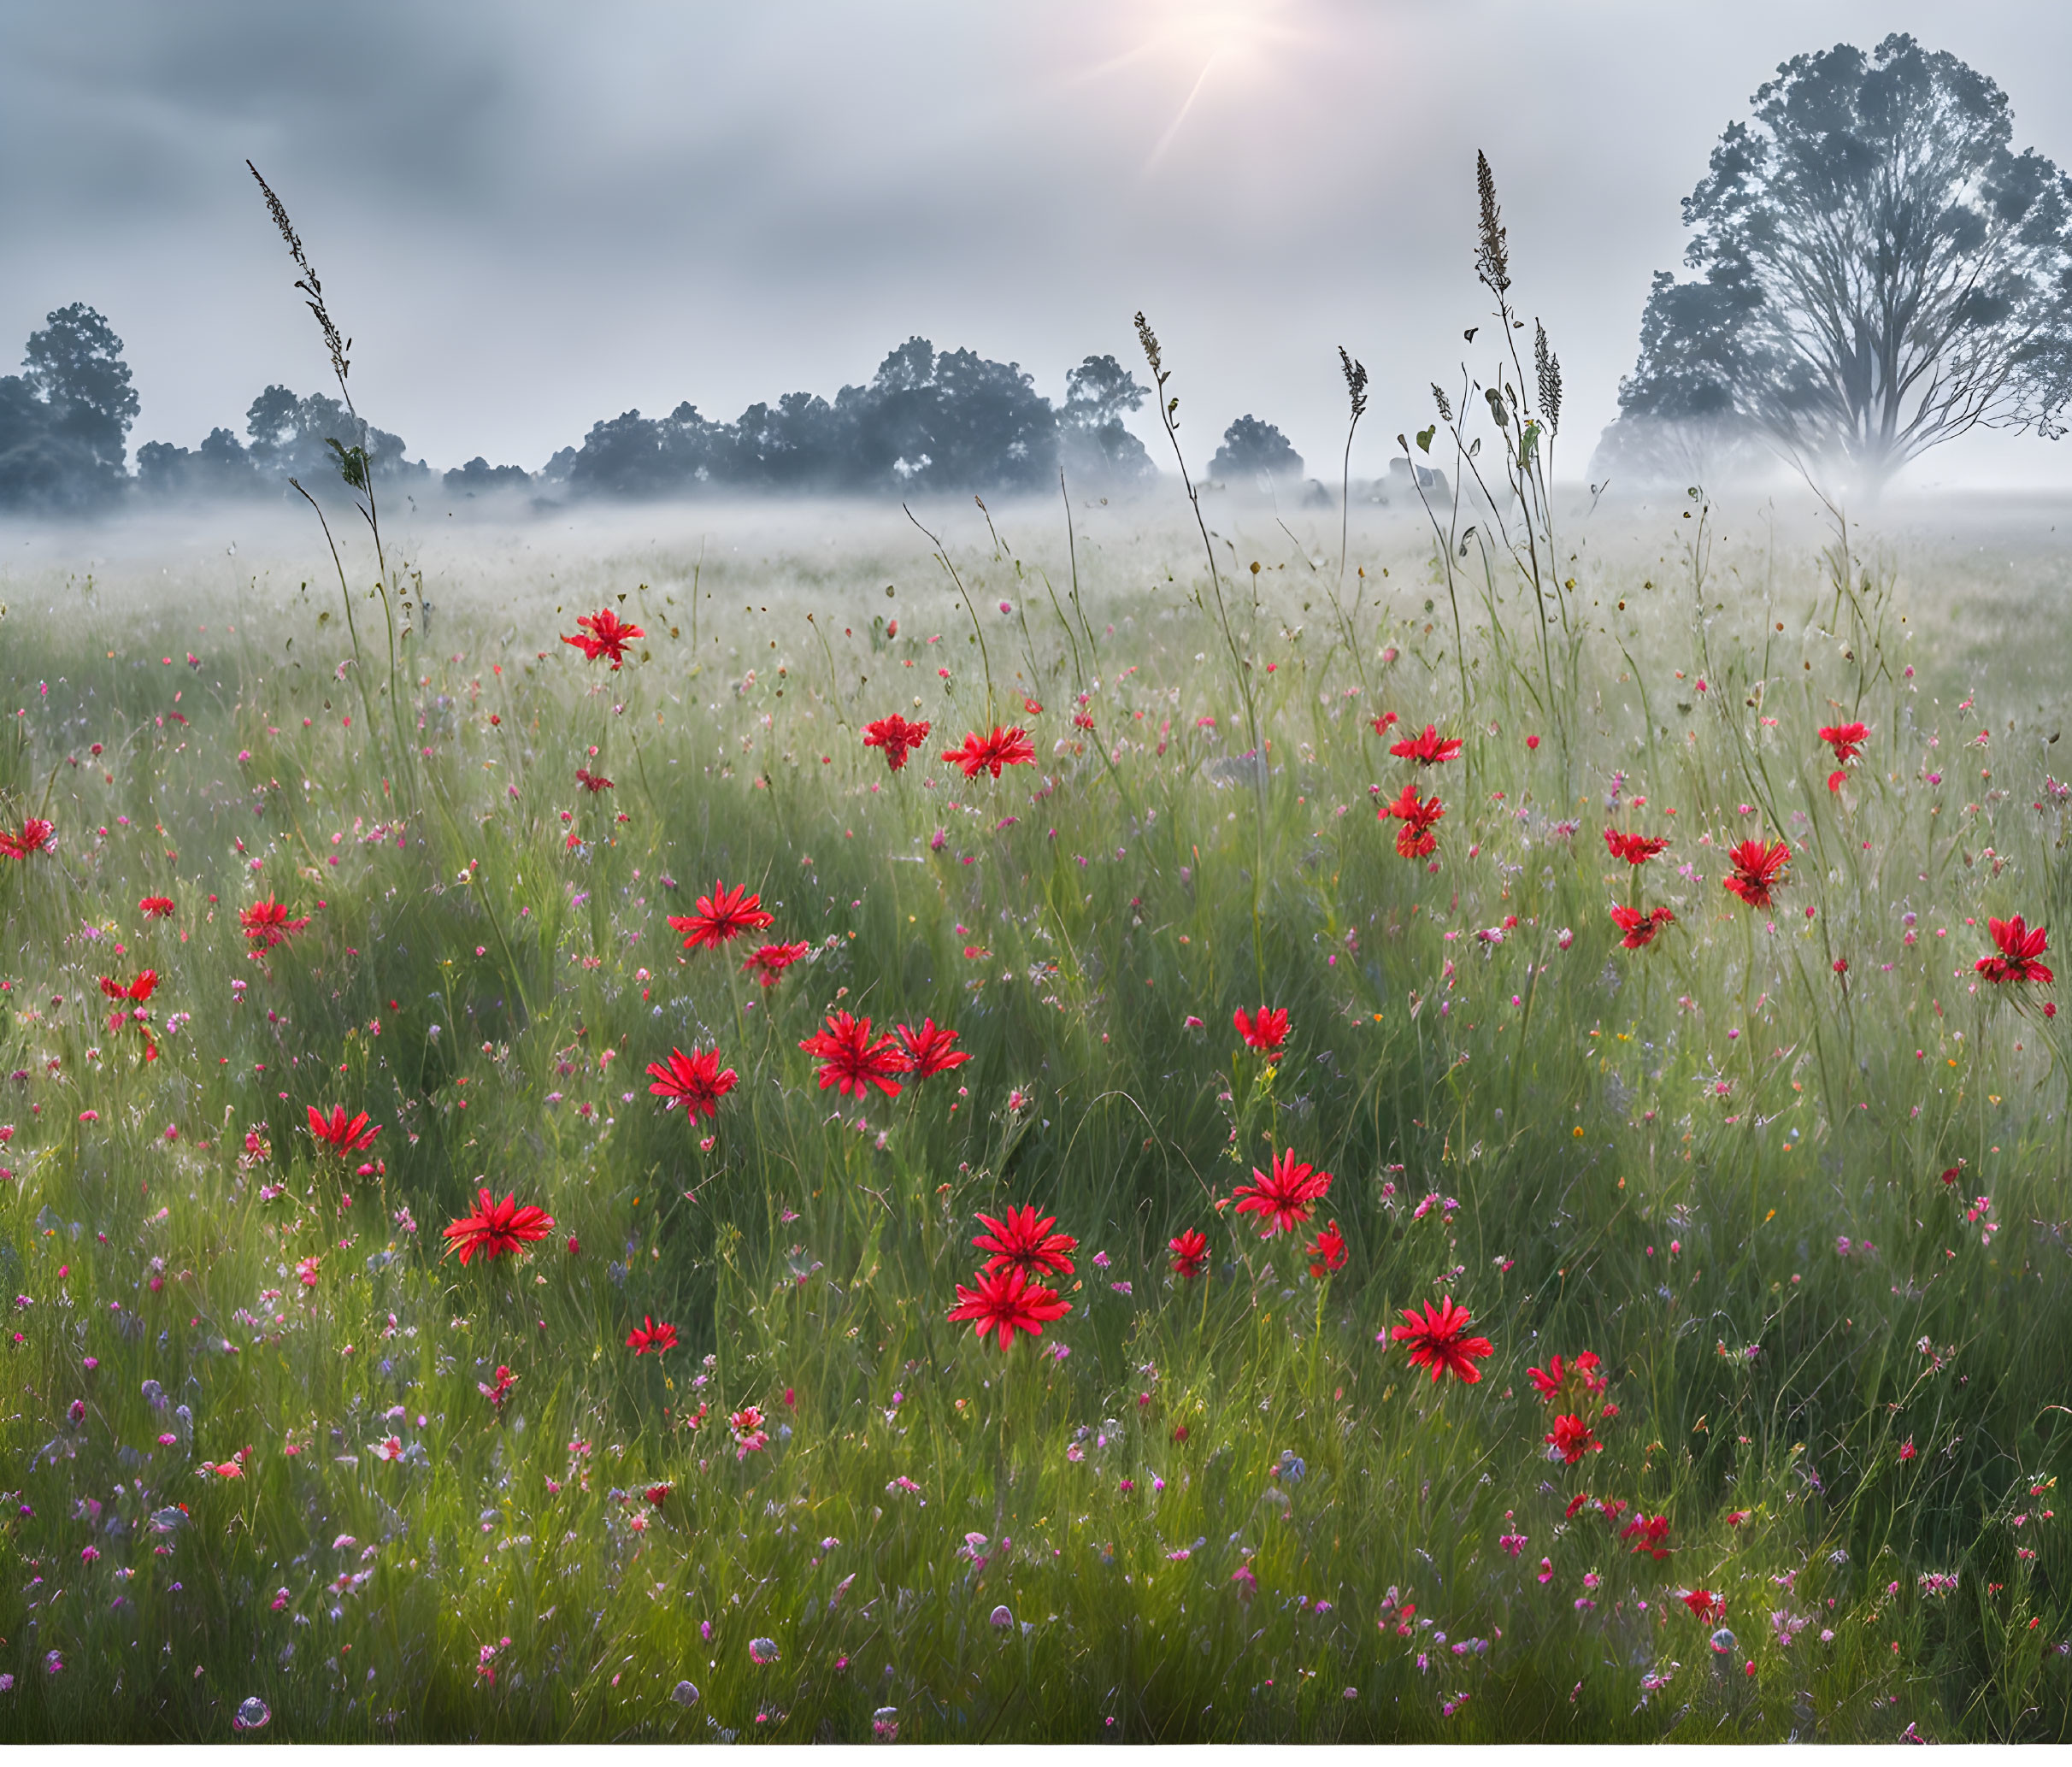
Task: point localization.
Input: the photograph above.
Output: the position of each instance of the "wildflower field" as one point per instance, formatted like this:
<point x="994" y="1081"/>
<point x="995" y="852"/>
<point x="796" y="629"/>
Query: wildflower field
<point x="1021" y="1141"/>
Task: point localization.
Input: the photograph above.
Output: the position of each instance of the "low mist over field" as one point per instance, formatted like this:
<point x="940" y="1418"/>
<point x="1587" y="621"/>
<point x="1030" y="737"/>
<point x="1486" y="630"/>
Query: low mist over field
<point x="1973" y="566"/>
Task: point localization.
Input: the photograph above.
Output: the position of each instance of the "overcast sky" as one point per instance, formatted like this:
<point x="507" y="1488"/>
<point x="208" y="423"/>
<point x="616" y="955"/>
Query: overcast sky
<point x="530" y="216"/>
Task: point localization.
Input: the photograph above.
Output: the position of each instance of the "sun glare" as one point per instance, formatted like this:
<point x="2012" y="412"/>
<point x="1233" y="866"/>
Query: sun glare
<point x="1208" y="45"/>
<point x="1233" y="28"/>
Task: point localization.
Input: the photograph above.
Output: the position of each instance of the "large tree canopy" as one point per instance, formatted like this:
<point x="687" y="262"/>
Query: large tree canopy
<point x="64" y="420"/>
<point x="1880" y="271"/>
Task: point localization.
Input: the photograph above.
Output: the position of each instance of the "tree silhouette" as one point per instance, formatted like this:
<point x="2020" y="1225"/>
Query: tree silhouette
<point x="222" y="466"/>
<point x="928" y="422"/>
<point x="65" y="420"/>
<point x="40" y="469"/>
<point x="75" y="367"/>
<point x="292" y="437"/>
<point x="623" y="457"/>
<point x="1094" y="443"/>
<point x="1252" y="449"/>
<point x="994" y="430"/>
<point x="478" y="478"/>
<point x="794" y="446"/>
<point x="1880" y="272"/>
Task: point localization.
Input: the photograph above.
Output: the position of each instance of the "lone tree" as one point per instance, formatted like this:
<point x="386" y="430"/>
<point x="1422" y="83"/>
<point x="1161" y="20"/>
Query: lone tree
<point x="1880" y="272"/>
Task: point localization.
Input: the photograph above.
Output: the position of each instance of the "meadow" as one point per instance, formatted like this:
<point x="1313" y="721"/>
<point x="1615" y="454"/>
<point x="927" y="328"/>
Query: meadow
<point x="1756" y="1202"/>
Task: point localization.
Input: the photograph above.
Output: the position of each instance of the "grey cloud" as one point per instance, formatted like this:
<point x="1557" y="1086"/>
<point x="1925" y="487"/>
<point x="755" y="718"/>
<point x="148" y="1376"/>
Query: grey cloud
<point x="389" y="99"/>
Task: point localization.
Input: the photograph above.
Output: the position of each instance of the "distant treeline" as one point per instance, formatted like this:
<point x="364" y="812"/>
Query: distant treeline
<point x="929" y="421"/>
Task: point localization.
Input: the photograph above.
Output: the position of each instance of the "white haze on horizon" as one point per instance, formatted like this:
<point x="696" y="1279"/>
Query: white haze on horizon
<point x="510" y="550"/>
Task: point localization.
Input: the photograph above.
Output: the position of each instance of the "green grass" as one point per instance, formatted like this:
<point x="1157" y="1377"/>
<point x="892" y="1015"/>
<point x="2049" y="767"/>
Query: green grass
<point x="1652" y="1155"/>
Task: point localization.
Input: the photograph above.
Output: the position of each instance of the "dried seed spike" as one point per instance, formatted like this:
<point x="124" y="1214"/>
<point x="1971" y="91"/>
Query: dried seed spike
<point x="1150" y="341"/>
<point x="1356" y="383"/>
<point x="340" y="347"/>
<point x="1547" y="367"/>
<point x="1492" y="254"/>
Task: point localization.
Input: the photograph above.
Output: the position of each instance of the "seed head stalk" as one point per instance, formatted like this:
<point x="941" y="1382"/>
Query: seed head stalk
<point x="356" y="467"/>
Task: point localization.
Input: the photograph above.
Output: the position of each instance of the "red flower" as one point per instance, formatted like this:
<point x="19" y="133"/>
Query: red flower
<point x="1710" y="1609"/>
<point x="1440" y="1341"/>
<point x="267" y="923"/>
<point x="136" y="994"/>
<point x="498" y="1228"/>
<point x="1268" y="1031"/>
<point x="658" y="1495"/>
<point x="1006" y="1302"/>
<point x="1415" y="839"/>
<point x="1846" y="739"/>
<point x="1907" y="1450"/>
<point x="724" y="914"/>
<point x="1024" y="1241"/>
<point x="2021" y="945"/>
<point x="342" y="1136"/>
<point x="591" y="781"/>
<point x="1634" y="849"/>
<point x="1549" y="1380"/>
<point x="1572" y="1439"/>
<point x="1004" y="748"/>
<point x="769" y="962"/>
<point x="929" y="1049"/>
<point x="1639" y="927"/>
<point x="1757" y="869"/>
<point x="1653" y="1530"/>
<point x="697" y="1078"/>
<point x="895" y="736"/>
<point x="852" y="1061"/>
<point x="650" y="1336"/>
<point x="604" y="635"/>
<point x="154" y="908"/>
<point x="1190" y="1253"/>
<point x="33" y="836"/>
<point x="1283" y="1196"/>
<point x="1428" y="750"/>
<point x="1327" y="1251"/>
